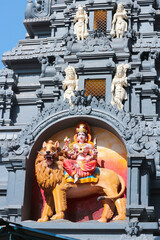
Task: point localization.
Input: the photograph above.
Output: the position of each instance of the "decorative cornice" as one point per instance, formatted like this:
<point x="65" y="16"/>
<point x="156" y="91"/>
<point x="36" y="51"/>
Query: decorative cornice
<point x="138" y="135"/>
<point x="49" y="49"/>
<point x="31" y="20"/>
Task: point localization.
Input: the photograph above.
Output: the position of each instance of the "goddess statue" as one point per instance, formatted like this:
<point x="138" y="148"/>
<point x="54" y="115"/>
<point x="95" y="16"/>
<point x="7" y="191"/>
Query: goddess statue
<point x="117" y="88"/>
<point x="82" y="158"/>
<point x="119" y="25"/>
<point x="70" y="83"/>
<point x="81" y="21"/>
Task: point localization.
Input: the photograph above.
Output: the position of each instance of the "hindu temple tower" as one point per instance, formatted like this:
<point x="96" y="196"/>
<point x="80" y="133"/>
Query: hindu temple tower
<point x="96" y="61"/>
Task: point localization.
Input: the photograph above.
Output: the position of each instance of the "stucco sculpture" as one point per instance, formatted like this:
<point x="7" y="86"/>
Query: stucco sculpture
<point x="49" y="172"/>
<point x="70" y="83"/>
<point x="119" y="94"/>
<point x="81" y="21"/>
<point x="58" y="185"/>
<point x="81" y="159"/>
<point x="119" y="24"/>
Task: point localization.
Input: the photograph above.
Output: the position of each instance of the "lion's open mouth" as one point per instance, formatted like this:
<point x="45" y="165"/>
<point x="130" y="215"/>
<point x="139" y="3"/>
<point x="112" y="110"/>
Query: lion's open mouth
<point x="49" y="159"/>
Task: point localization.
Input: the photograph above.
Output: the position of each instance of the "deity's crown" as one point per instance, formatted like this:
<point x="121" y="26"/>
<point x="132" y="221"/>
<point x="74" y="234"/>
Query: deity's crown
<point x="80" y="7"/>
<point x="82" y="127"/>
<point x="70" y="68"/>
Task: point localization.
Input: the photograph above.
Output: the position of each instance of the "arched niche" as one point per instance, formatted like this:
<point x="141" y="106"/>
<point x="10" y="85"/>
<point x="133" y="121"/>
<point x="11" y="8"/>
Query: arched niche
<point x="112" y="155"/>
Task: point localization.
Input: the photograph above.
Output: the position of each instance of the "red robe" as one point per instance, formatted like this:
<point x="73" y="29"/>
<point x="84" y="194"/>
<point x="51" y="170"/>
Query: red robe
<point x="82" y="168"/>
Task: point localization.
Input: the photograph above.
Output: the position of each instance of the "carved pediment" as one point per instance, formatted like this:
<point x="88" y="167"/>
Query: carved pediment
<point x="137" y="135"/>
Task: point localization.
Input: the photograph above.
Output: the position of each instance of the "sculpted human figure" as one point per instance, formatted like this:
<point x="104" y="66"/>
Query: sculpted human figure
<point x="117" y="88"/>
<point x="70" y="83"/>
<point x="82" y="158"/>
<point x="81" y="21"/>
<point x="119" y="24"/>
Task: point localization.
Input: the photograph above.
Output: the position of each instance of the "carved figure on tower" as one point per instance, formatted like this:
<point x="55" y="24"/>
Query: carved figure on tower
<point x="82" y="158"/>
<point x="118" y="91"/>
<point x="119" y="24"/>
<point x="70" y="83"/>
<point x="81" y="21"/>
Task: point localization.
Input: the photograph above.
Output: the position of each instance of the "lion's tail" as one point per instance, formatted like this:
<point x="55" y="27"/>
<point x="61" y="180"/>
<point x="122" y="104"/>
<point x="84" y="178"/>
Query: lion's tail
<point x="119" y="194"/>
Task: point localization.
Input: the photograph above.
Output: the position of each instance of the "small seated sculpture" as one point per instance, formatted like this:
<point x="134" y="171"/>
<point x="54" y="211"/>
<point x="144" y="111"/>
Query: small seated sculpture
<point x="117" y="88"/>
<point x="81" y="21"/>
<point x="82" y="159"/>
<point x="119" y="24"/>
<point x="70" y="83"/>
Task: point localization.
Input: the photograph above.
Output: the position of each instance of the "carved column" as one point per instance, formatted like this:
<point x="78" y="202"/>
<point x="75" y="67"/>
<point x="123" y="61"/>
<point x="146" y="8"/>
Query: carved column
<point x="69" y="21"/>
<point x="138" y="90"/>
<point x="8" y="104"/>
<point x="2" y="104"/>
<point x="91" y="20"/>
<point x="154" y="103"/>
<point x="140" y="170"/>
<point x="53" y="31"/>
<point x="16" y="186"/>
<point x="39" y="101"/>
<point x="108" y="86"/>
<point x="109" y="20"/>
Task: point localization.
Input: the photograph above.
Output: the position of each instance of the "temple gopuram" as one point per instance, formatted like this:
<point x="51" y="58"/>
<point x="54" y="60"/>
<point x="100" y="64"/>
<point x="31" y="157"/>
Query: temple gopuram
<point x="80" y="122"/>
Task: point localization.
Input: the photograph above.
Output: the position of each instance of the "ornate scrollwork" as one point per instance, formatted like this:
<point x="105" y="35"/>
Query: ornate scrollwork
<point x="96" y="41"/>
<point x="133" y="229"/>
<point x="40" y="8"/>
<point x="81" y="104"/>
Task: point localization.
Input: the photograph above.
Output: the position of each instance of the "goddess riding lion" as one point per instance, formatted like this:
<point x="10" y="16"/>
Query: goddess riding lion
<point x="50" y="177"/>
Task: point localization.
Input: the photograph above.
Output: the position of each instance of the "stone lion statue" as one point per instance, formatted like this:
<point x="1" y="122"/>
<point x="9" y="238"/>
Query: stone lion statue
<point x="50" y="177"/>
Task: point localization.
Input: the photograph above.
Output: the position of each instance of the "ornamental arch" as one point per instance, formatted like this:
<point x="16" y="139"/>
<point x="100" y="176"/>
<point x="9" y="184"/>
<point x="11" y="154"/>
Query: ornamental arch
<point x="130" y="130"/>
<point x="61" y="127"/>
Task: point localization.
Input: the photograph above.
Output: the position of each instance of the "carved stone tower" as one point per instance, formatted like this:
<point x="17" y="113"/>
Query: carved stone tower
<point x="112" y="51"/>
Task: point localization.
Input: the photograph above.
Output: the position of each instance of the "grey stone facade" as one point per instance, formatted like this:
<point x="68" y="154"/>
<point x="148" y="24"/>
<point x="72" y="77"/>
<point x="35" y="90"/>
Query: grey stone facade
<point x="32" y="107"/>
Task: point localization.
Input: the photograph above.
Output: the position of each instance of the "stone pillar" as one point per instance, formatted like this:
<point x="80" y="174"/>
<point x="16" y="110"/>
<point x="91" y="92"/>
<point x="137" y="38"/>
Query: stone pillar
<point x="108" y="86"/>
<point x="53" y="29"/>
<point x="8" y="103"/>
<point x="154" y="104"/>
<point x="2" y="105"/>
<point x="91" y="20"/>
<point x="39" y="101"/>
<point x="140" y="170"/>
<point x="16" y="187"/>
<point x="138" y="90"/>
<point x="109" y="20"/>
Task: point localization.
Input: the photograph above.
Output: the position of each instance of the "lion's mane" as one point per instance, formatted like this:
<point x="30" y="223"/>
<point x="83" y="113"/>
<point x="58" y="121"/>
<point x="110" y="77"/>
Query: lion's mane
<point x="48" y="176"/>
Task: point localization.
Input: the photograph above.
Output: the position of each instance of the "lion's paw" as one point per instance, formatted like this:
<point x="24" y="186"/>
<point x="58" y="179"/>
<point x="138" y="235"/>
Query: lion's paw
<point x="102" y="220"/>
<point x="45" y="219"/>
<point x="119" y="217"/>
<point x="57" y="216"/>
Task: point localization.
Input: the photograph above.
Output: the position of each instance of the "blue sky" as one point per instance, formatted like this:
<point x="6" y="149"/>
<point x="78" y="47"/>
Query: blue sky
<point x="11" y="24"/>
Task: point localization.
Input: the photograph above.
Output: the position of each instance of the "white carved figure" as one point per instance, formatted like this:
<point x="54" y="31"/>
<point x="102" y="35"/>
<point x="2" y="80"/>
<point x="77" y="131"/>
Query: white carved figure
<point x="117" y="88"/>
<point x="81" y="21"/>
<point x="70" y="83"/>
<point x="119" y="24"/>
